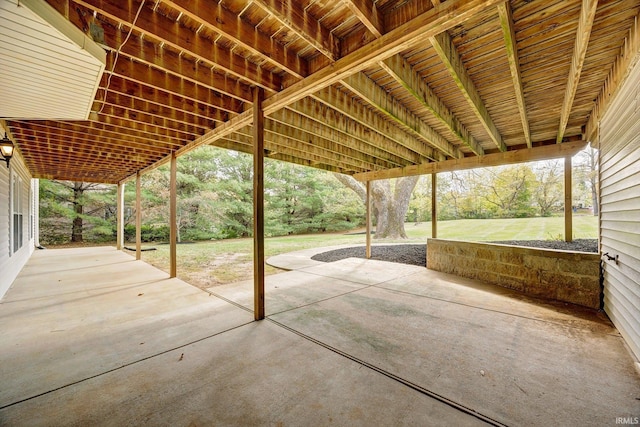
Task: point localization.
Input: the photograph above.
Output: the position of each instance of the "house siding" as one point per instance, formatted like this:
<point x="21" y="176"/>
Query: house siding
<point x="620" y="210"/>
<point x="12" y="262"/>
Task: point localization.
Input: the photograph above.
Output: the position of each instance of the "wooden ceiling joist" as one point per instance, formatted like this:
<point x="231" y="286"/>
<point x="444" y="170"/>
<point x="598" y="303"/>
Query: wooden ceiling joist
<point x="172" y="34"/>
<point x="294" y="17"/>
<point x="509" y="34"/>
<point x="144" y="75"/>
<point x="364" y="87"/>
<point x="629" y="55"/>
<point x="450" y="57"/>
<point x="365" y="139"/>
<point x="365" y="117"/>
<point x="398" y="68"/>
<point x="351" y="146"/>
<point x="587" y="15"/>
<point x="367" y="13"/>
<point x="353" y="86"/>
<point x="544" y="152"/>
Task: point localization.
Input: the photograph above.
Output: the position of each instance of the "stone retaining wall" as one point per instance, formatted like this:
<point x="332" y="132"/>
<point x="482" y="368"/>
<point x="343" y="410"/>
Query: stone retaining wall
<point x="559" y="275"/>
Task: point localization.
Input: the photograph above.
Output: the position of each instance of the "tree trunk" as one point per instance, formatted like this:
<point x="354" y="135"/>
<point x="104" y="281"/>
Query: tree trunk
<point x="389" y="208"/>
<point x="78" y="208"/>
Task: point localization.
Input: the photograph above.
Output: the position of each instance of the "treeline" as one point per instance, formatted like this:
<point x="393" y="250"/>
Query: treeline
<point x="214" y="202"/>
<point x="215" y="199"/>
<point x="514" y="191"/>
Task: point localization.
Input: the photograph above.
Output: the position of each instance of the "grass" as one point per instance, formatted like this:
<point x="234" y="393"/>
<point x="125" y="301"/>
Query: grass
<point x="211" y="263"/>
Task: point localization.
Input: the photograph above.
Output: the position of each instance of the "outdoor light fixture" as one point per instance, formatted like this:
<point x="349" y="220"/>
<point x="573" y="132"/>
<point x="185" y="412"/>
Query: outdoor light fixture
<point x="6" y="149"/>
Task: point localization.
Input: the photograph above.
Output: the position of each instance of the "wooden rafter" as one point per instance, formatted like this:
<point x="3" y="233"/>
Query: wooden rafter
<point x="296" y="18"/>
<point x="398" y="68"/>
<point x="587" y="15"/>
<point x="450" y="57"/>
<point x="375" y="25"/>
<point x="348" y="145"/>
<point x="241" y="33"/>
<point x="544" y="152"/>
<point x="415" y="31"/>
<point x="142" y="51"/>
<point x="142" y="74"/>
<point x="171" y="100"/>
<point x="629" y="55"/>
<point x="362" y="138"/>
<point x="172" y="34"/>
<point x="368" y="14"/>
<point x="509" y="34"/>
<point x="388" y="106"/>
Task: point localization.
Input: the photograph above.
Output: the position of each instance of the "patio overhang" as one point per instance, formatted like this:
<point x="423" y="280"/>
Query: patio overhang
<point x="390" y="86"/>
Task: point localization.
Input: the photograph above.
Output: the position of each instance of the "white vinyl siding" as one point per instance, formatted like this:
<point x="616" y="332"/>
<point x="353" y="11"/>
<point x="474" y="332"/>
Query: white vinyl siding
<point x="12" y="180"/>
<point x="620" y="209"/>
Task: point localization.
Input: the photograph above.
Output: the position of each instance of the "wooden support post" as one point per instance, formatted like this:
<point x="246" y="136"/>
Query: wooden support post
<point x="258" y="204"/>
<point x="120" y="217"/>
<point x="173" y="223"/>
<point x="138" y="216"/>
<point x="434" y="207"/>
<point x="368" y="219"/>
<point x="568" y="201"/>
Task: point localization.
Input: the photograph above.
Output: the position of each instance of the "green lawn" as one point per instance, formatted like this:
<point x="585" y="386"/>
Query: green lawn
<point x="211" y="263"/>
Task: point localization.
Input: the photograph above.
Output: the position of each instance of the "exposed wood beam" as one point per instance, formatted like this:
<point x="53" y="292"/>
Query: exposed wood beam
<point x="144" y="51"/>
<point x="278" y="144"/>
<point x="568" y="201"/>
<point x="362" y="139"/>
<point x="387" y="105"/>
<point x="258" y="206"/>
<point x="368" y="220"/>
<point x="398" y="68"/>
<point x="303" y="141"/>
<point x="165" y="101"/>
<point x="449" y="56"/>
<point x="247" y="36"/>
<point x="367" y="13"/>
<point x="148" y="76"/>
<point x="279" y="148"/>
<point x="85" y="142"/>
<point x="629" y="55"/>
<point x="140" y="120"/>
<point x="509" y="34"/>
<point x="293" y="16"/>
<point x="138" y="216"/>
<point x="97" y="129"/>
<point x="544" y="152"/>
<point x="180" y="38"/>
<point x="173" y="216"/>
<point x="154" y="110"/>
<point x="361" y="148"/>
<point x="120" y="217"/>
<point x="587" y="15"/>
<point x="144" y="130"/>
<point x="418" y="30"/>
<point x="339" y="101"/>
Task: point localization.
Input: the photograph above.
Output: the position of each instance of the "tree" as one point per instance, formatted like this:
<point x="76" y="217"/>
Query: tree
<point x="390" y="202"/>
<point x="548" y="193"/>
<point x="587" y="174"/>
<point x="70" y="209"/>
<point x="509" y="189"/>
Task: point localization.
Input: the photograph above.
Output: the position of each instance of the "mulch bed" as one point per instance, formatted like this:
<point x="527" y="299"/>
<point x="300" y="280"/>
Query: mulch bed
<point x="417" y="254"/>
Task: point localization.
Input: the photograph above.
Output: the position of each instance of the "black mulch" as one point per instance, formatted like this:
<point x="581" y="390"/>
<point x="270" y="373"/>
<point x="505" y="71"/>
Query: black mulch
<point x="417" y="254"/>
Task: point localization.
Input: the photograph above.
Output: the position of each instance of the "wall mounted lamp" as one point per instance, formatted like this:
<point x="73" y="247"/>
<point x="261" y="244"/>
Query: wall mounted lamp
<point x="6" y="149"/>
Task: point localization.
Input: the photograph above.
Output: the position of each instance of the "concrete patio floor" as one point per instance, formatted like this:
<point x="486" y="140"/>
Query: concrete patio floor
<point x="91" y="337"/>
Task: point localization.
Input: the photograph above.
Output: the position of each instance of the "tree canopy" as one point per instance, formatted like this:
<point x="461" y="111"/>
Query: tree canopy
<point x="215" y="199"/>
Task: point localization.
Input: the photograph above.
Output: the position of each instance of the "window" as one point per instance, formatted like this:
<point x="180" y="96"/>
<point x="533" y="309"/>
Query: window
<point x="16" y="206"/>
